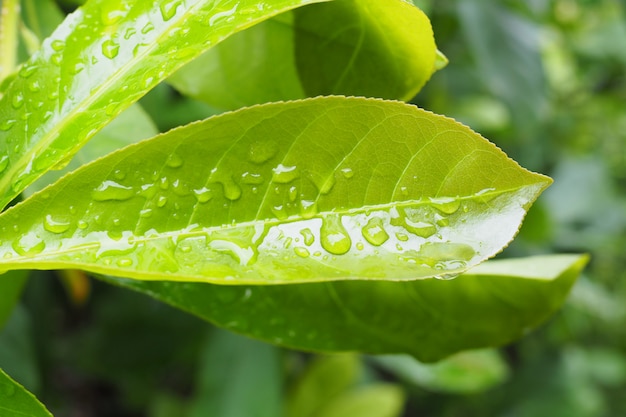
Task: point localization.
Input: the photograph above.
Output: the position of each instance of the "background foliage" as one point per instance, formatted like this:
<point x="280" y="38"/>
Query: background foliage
<point x="543" y="80"/>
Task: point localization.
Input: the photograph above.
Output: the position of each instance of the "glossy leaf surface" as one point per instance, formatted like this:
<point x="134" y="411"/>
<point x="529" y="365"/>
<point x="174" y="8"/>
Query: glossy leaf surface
<point x="381" y="48"/>
<point x="491" y="305"/>
<point x="375" y="48"/>
<point x="101" y="59"/>
<point x="15" y="401"/>
<point x="312" y="190"/>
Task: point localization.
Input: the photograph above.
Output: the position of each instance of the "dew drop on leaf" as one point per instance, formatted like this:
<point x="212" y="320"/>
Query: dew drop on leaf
<point x="374" y="232"/>
<point x="308" y="209"/>
<point x="110" y="48"/>
<point x="308" y="236"/>
<point x="148" y="27"/>
<point x="110" y="190"/>
<point x="261" y="152"/>
<point x="302" y="252"/>
<point x="334" y="237"/>
<point x="29" y="244"/>
<point x="55" y="225"/>
<point x="57" y="45"/>
<point x="17" y="101"/>
<point x="284" y="174"/>
<point x="169" y="8"/>
<point x="203" y="195"/>
<point x="347" y="172"/>
<point x="446" y="205"/>
<point x="161" y="201"/>
<point x="174" y="161"/>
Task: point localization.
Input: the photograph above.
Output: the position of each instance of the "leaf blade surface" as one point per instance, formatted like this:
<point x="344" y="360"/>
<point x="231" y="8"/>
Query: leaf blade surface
<point x="311" y="190"/>
<point x="101" y="59"/>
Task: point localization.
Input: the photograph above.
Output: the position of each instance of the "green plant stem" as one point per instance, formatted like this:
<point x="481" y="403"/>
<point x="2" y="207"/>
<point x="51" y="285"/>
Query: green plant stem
<point x="9" y="17"/>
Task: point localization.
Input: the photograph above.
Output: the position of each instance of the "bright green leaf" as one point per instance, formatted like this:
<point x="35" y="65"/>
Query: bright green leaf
<point x="492" y="305"/>
<point x="101" y="59"/>
<point x="17" y="402"/>
<point x="312" y="190"/>
<point x="464" y="373"/>
<point x="374" y="48"/>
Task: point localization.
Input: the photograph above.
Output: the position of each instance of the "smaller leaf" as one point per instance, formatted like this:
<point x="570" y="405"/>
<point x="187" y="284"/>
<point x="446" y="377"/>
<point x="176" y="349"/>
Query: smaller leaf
<point x="375" y="400"/>
<point x="464" y="373"/>
<point x="17" y="402"/>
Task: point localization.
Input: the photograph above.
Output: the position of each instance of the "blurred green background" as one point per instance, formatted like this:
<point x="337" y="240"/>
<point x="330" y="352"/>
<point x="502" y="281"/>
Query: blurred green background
<point x="545" y="81"/>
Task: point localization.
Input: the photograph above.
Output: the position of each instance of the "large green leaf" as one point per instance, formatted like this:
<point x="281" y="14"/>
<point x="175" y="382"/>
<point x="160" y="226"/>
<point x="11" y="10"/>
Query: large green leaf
<point x="101" y="59"/>
<point x="491" y="305"/>
<point x="382" y="48"/>
<point x="312" y="190"/>
<point x="15" y="401"/>
<point x="375" y="48"/>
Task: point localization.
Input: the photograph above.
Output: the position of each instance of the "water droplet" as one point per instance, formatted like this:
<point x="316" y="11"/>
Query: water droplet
<point x="110" y="190"/>
<point x="308" y="236"/>
<point x="446" y="205"/>
<point x="27" y="70"/>
<point x="404" y="191"/>
<point x="110" y="48"/>
<point x="164" y="183"/>
<point x="225" y="15"/>
<point x="347" y="172"/>
<point x="145" y="213"/>
<point x="29" y="244"/>
<point x="17" y="101"/>
<point x="422" y="229"/>
<point x="284" y="174"/>
<point x="124" y="262"/>
<point x="374" y="231"/>
<point x="251" y="178"/>
<point x="334" y="237"/>
<point x="82" y="224"/>
<point x="308" y="209"/>
<point x="360" y="246"/>
<point x="111" y="17"/>
<point x="129" y="33"/>
<point x="169" y="8"/>
<point x="262" y="151"/>
<point x="4" y="163"/>
<point x="78" y="67"/>
<point x="280" y="212"/>
<point x="56" y="225"/>
<point x="119" y="174"/>
<point x="203" y="195"/>
<point x="293" y="193"/>
<point x="57" y="45"/>
<point x="148" y="27"/>
<point x="161" y="201"/>
<point x="174" y="161"/>
<point x="402" y="237"/>
<point x="7" y="124"/>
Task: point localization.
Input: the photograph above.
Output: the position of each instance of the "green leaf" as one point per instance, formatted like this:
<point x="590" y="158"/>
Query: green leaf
<point x="313" y="190"/>
<point x="494" y="304"/>
<point x="464" y="373"/>
<point x="374" y="48"/>
<point x="252" y="67"/>
<point x="375" y="400"/>
<point x="17" y="402"/>
<point x="17" y="349"/>
<point x="234" y="368"/>
<point x="382" y="48"/>
<point x="326" y="378"/>
<point x="101" y="59"/>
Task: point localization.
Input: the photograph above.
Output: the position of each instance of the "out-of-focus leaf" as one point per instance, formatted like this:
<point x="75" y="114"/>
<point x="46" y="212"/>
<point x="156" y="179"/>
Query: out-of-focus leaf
<point x="238" y="377"/>
<point x="313" y="190"/>
<point x="252" y="67"/>
<point x="11" y="284"/>
<point x="463" y="373"/>
<point x="381" y="48"/>
<point x="9" y="24"/>
<point x="491" y="305"/>
<point x="374" y="48"/>
<point x="325" y="379"/>
<point x="41" y="16"/>
<point x="100" y="60"/>
<point x="17" y="402"/>
<point x="375" y="400"/>
<point x="17" y="350"/>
